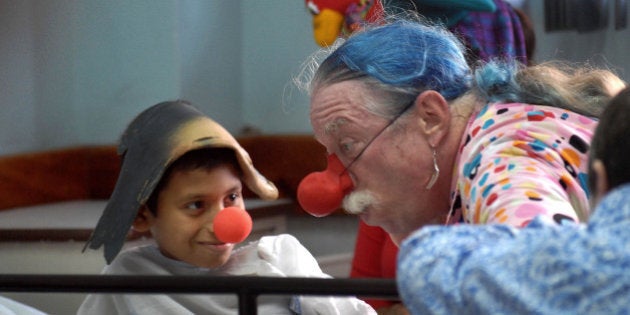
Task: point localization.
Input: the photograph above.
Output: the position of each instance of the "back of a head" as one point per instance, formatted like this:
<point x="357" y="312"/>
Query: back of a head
<point x="609" y="143"/>
<point x="580" y="88"/>
<point x="405" y="55"/>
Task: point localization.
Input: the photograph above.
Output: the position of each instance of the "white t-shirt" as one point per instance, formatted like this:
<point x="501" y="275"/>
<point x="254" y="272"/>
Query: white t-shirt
<point x="11" y="307"/>
<point x="275" y="256"/>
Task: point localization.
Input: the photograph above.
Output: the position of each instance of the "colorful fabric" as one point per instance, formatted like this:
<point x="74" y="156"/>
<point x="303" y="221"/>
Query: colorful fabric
<point x="543" y="268"/>
<point x="356" y="15"/>
<point x="515" y="162"/>
<point x="272" y="256"/>
<point x="518" y="161"/>
<point x="497" y="34"/>
<point x="472" y="5"/>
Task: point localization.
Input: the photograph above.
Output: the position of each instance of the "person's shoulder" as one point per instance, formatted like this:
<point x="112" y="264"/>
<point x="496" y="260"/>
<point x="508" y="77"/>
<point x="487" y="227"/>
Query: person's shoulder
<point x="613" y="209"/>
<point x="133" y="260"/>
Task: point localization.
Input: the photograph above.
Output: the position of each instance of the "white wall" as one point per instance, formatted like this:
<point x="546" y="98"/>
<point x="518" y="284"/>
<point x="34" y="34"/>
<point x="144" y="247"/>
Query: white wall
<point x="277" y="39"/>
<point x="76" y="72"/>
<point x="17" y="80"/>
<point x="607" y="47"/>
<point x="210" y="48"/>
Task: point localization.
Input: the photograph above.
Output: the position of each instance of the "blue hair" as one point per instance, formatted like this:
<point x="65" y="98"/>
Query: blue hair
<point x="496" y="81"/>
<point x="406" y="55"/>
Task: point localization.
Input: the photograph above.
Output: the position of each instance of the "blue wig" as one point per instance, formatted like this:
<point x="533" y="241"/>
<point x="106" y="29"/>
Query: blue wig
<point x="405" y="54"/>
<point x="496" y="81"/>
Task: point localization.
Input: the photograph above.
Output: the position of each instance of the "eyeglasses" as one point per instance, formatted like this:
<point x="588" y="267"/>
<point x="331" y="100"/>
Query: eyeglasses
<point x="391" y="122"/>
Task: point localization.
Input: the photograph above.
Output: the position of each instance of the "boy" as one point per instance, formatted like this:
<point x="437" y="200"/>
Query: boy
<point x="180" y="169"/>
<point x="543" y="268"/>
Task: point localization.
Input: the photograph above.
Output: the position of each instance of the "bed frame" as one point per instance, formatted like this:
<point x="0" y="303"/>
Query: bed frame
<point x="247" y="288"/>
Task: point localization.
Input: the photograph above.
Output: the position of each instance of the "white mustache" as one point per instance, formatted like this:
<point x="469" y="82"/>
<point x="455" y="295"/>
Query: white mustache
<point x="357" y="201"/>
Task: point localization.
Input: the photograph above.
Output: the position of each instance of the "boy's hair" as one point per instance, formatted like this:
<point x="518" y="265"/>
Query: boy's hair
<point x="205" y="159"/>
<point x="610" y="142"/>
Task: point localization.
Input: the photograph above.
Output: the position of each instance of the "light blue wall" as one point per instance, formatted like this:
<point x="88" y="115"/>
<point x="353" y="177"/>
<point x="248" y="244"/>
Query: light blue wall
<point x="125" y="57"/>
<point x="77" y="71"/>
<point x="276" y="41"/>
<point x="17" y="80"/>
<point x="210" y="48"/>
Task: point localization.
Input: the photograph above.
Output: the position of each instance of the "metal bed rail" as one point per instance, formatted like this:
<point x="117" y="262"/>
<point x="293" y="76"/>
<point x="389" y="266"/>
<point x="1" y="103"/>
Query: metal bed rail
<point x="247" y="288"/>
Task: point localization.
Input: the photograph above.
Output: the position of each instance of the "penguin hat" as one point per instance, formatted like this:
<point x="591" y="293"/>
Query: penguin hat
<point x="153" y="140"/>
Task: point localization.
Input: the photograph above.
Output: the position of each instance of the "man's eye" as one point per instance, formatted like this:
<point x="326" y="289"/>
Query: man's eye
<point x="346" y="147"/>
<point x="350" y="149"/>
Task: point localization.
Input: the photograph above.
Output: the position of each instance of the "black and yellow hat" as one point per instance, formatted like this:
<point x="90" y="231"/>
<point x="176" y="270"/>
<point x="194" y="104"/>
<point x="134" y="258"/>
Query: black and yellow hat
<point x="153" y="140"/>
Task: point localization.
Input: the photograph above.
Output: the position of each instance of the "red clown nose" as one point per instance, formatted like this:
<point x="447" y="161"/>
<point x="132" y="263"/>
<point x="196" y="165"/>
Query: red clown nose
<point x="232" y="225"/>
<point x="321" y="193"/>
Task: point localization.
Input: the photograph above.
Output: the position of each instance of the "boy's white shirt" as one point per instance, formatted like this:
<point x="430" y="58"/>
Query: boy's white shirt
<point x="275" y="256"/>
<point x="12" y="307"/>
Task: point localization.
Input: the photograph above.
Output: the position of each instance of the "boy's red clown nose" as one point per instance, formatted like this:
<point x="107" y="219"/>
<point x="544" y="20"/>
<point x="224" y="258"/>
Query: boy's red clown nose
<point x="232" y="225"/>
<point x="321" y="193"/>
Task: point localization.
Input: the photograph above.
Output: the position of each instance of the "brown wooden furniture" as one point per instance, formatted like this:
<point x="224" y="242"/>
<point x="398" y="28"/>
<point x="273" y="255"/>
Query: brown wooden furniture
<point x="90" y="173"/>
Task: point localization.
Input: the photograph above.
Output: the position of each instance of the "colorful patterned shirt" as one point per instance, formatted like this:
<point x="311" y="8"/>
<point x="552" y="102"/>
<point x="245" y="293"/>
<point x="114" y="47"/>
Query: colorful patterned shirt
<point x="544" y="268"/>
<point x="517" y="161"/>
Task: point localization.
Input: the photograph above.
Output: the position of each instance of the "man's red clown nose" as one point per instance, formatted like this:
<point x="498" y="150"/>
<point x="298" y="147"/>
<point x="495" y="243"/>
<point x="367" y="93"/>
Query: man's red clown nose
<point x="232" y="225"/>
<point x="321" y="193"/>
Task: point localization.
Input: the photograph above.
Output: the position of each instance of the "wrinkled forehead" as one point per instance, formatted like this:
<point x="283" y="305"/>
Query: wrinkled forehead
<point x="337" y="104"/>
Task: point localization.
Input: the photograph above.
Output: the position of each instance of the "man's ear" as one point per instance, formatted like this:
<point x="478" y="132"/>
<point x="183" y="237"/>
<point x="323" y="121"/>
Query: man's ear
<point x="435" y="115"/>
<point x="144" y="220"/>
<point x="601" y="179"/>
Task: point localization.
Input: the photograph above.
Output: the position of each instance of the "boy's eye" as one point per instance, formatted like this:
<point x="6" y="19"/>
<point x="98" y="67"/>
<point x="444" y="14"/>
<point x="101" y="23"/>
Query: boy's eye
<point x="232" y="198"/>
<point x="195" y="205"/>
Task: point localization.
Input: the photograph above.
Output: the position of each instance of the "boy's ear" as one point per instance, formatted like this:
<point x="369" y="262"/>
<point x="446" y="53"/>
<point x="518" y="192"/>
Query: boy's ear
<point x="144" y="220"/>
<point x="435" y="115"/>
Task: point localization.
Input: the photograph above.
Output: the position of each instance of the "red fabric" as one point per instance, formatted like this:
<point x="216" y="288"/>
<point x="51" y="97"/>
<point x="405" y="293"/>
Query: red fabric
<point x="374" y="257"/>
<point x="335" y="5"/>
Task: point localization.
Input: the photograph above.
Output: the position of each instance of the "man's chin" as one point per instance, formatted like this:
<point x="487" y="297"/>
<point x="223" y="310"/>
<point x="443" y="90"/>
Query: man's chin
<point x="370" y="219"/>
<point x="365" y="217"/>
<point x="358" y="202"/>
